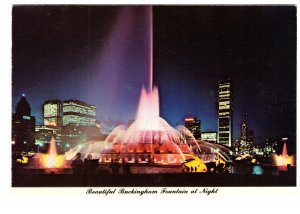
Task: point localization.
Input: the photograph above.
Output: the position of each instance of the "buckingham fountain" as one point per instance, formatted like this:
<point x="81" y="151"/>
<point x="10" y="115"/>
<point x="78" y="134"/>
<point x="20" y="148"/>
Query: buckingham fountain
<point x="151" y="145"/>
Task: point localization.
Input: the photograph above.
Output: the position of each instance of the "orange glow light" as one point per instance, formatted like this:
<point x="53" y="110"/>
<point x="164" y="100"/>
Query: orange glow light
<point x="53" y="161"/>
<point x="284" y="160"/>
<point x="189" y="119"/>
<point x="52" y="124"/>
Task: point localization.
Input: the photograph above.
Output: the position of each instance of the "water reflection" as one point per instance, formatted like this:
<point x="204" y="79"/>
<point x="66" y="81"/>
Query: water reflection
<point x="257" y="170"/>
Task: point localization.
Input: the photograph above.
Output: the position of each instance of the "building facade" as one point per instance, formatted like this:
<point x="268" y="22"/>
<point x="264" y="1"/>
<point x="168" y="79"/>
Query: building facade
<point x="74" y="135"/>
<point x="210" y="137"/>
<point x="53" y="113"/>
<point x="225" y="113"/>
<point x="79" y="123"/>
<point x="194" y="125"/>
<point x="43" y="134"/>
<point x="78" y="113"/>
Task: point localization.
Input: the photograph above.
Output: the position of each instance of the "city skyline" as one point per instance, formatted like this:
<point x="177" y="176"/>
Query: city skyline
<point x="89" y="61"/>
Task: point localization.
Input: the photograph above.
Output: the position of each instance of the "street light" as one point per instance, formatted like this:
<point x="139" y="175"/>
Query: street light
<point x="67" y="146"/>
<point x="26" y="145"/>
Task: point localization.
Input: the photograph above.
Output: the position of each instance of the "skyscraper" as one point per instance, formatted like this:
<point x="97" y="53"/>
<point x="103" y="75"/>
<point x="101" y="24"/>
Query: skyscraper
<point x="225" y="112"/>
<point x="194" y="125"/>
<point x="23" y="128"/>
<point x="244" y="126"/>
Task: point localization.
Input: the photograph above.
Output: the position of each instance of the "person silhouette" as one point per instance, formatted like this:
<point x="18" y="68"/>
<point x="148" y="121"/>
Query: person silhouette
<point x="90" y="165"/>
<point x="77" y="164"/>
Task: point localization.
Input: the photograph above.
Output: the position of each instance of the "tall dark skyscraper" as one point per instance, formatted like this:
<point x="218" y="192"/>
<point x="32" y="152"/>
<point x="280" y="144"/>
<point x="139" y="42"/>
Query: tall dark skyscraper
<point x="23" y="128"/>
<point x="225" y="112"/>
<point x="244" y="126"/>
<point x="194" y="125"/>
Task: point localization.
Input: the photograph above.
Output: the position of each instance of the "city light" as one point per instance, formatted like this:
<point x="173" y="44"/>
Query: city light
<point x="189" y="119"/>
<point x="26" y="117"/>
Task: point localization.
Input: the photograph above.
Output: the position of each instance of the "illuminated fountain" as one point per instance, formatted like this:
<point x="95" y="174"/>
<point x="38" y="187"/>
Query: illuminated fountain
<point x="149" y="140"/>
<point x="50" y="162"/>
<point x="52" y="159"/>
<point x="284" y="159"/>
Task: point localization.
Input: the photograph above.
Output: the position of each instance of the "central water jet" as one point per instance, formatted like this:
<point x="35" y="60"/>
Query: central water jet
<point x="52" y="159"/>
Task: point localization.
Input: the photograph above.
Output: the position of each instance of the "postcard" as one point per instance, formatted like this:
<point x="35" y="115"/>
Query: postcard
<point x="153" y="100"/>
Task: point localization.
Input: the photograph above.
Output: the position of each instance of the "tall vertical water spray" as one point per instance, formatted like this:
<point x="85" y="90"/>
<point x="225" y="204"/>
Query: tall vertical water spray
<point x="151" y="48"/>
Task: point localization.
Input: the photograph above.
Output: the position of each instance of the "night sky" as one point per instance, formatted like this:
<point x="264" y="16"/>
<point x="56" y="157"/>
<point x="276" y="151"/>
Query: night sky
<point x="100" y="55"/>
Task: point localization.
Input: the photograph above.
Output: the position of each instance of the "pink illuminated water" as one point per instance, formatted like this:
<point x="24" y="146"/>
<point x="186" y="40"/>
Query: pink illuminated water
<point x="284" y="151"/>
<point x="147" y="117"/>
<point x="52" y="147"/>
